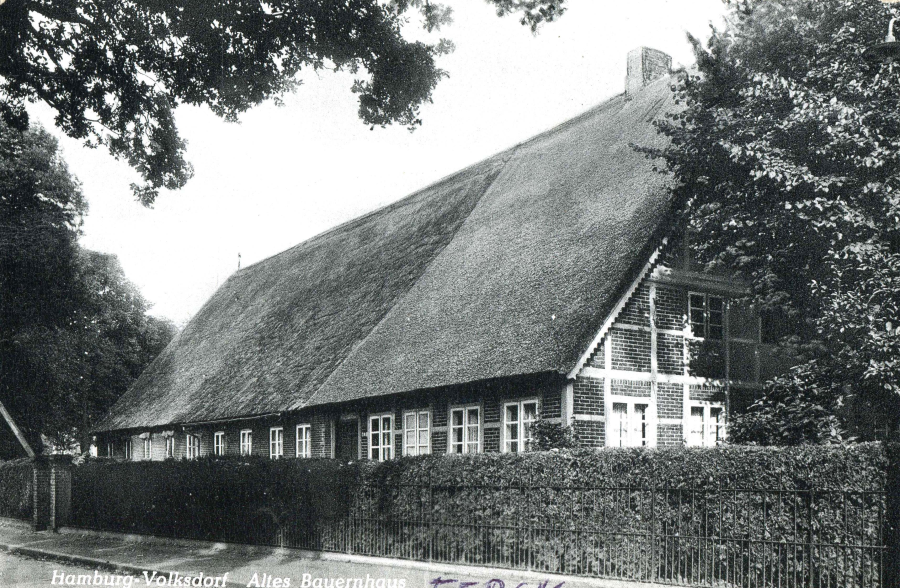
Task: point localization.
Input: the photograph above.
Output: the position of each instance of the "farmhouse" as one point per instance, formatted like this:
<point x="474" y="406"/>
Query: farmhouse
<point x="546" y="282"/>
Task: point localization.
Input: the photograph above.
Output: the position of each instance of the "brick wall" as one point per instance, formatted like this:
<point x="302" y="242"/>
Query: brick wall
<point x="707" y="392"/>
<point x="671" y="308"/>
<point x="669" y="354"/>
<point x="630" y="388"/>
<point x="670" y="401"/>
<point x="630" y="350"/>
<point x="590" y="433"/>
<point x="637" y="309"/>
<point x="320" y="435"/>
<point x="587" y="396"/>
<point x="669" y="436"/>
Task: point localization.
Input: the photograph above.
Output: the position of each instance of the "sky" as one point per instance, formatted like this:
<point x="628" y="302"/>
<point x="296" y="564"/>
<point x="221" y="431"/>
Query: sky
<point x="286" y="173"/>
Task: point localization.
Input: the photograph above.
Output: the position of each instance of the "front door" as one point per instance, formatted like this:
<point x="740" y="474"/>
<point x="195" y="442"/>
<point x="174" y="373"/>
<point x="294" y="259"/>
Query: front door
<point x="346" y="439"/>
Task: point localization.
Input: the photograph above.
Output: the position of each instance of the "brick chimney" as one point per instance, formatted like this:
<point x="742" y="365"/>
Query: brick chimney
<point x="644" y="66"/>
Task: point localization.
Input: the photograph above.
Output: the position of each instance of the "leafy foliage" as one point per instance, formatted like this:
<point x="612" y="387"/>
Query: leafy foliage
<point x="16" y="491"/>
<point x="576" y="512"/>
<point x="74" y="332"/>
<point x="114" y="71"/>
<point x="546" y="435"/>
<point x="787" y="156"/>
<point x="792" y="412"/>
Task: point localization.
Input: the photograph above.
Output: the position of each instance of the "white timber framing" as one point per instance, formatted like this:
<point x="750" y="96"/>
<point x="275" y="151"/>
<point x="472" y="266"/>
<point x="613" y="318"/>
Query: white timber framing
<point x="654" y="276"/>
<point x="608" y="323"/>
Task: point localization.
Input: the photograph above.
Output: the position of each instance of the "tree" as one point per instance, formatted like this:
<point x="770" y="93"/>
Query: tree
<point x="786" y="157"/>
<point x="115" y="70"/>
<point x="74" y="333"/>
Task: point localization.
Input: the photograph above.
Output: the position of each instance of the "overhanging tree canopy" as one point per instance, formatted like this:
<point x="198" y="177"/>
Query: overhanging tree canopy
<point x="74" y="333"/>
<point x="114" y="70"/>
<point x="788" y="162"/>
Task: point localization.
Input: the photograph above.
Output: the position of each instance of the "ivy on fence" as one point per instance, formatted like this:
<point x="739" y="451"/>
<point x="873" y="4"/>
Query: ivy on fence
<point x="16" y="493"/>
<point x="739" y="515"/>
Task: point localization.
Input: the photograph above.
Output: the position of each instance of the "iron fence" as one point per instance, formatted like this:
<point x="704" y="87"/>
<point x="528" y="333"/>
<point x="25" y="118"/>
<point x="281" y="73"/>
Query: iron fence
<point x="753" y="538"/>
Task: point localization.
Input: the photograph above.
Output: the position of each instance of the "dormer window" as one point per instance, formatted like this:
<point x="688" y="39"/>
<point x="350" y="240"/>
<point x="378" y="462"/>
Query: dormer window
<point x="707" y="316"/>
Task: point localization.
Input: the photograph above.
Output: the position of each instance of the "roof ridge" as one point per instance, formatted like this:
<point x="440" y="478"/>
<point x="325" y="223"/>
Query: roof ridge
<point x="508" y="154"/>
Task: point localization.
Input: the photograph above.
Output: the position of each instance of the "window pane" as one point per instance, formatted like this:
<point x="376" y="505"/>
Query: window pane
<point x="410" y="438"/>
<point x="423" y="420"/>
<point x="374" y="453"/>
<point x="423" y="438"/>
<point x="512" y="413"/>
<point x="373" y="425"/>
<point x="386" y="423"/>
<point x="717" y="422"/>
<point x="411" y="420"/>
<point x="529" y="411"/>
<point x="457" y="416"/>
<point x="473" y="416"/>
<point x="695" y="431"/>
<point x="716" y="305"/>
<point x="640" y="425"/>
<point x="472" y="434"/>
<point x="618" y="434"/>
<point x="512" y="436"/>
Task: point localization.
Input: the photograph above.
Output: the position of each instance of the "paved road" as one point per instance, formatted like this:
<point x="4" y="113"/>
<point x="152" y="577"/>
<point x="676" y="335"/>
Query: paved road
<point x="23" y="572"/>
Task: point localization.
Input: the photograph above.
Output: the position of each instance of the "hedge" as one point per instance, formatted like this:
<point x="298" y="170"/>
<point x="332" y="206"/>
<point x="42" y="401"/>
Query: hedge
<point x="16" y="493"/>
<point x="734" y="514"/>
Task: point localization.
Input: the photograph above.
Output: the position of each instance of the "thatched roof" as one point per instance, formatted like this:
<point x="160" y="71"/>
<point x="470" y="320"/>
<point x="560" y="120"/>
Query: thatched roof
<point x="506" y="268"/>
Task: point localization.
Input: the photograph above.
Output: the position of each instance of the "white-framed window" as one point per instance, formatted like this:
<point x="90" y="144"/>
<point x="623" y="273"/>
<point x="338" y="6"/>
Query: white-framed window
<point x="381" y="437"/>
<point x="192" y="446"/>
<point x="707" y="315"/>
<point x="246" y="442"/>
<point x="706" y="424"/>
<point x="629" y="423"/>
<point x="170" y="447"/>
<point x="517" y="420"/>
<point x="276" y="442"/>
<point x="304" y="449"/>
<point x="219" y="443"/>
<point x="465" y="429"/>
<point x="128" y="449"/>
<point x="417" y="432"/>
<point x="148" y="448"/>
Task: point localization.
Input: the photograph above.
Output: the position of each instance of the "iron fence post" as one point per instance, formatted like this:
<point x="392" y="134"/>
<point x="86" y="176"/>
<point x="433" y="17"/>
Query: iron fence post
<point x="653" y="532"/>
<point x="809" y="538"/>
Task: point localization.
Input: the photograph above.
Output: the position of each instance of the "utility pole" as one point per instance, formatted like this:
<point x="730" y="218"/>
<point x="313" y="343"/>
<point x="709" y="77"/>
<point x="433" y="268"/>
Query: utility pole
<point x="16" y="431"/>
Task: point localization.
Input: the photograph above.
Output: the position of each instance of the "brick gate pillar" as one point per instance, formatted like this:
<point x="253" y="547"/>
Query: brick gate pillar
<point x="60" y="490"/>
<point x="52" y="491"/>
<point x="41" y="488"/>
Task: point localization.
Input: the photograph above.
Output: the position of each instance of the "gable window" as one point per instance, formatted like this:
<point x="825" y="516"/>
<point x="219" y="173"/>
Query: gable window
<point x="219" y="443"/>
<point x="170" y="447"/>
<point x="417" y="432"/>
<point x="706" y="425"/>
<point x="192" y="445"/>
<point x="707" y="315"/>
<point x="517" y="420"/>
<point x="148" y="448"/>
<point x="465" y="429"/>
<point x="303" y="441"/>
<point x="381" y="437"/>
<point x="246" y="442"/>
<point x="629" y="424"/>
<point x="128" y="449"/>
<point x="276" y="442"/>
